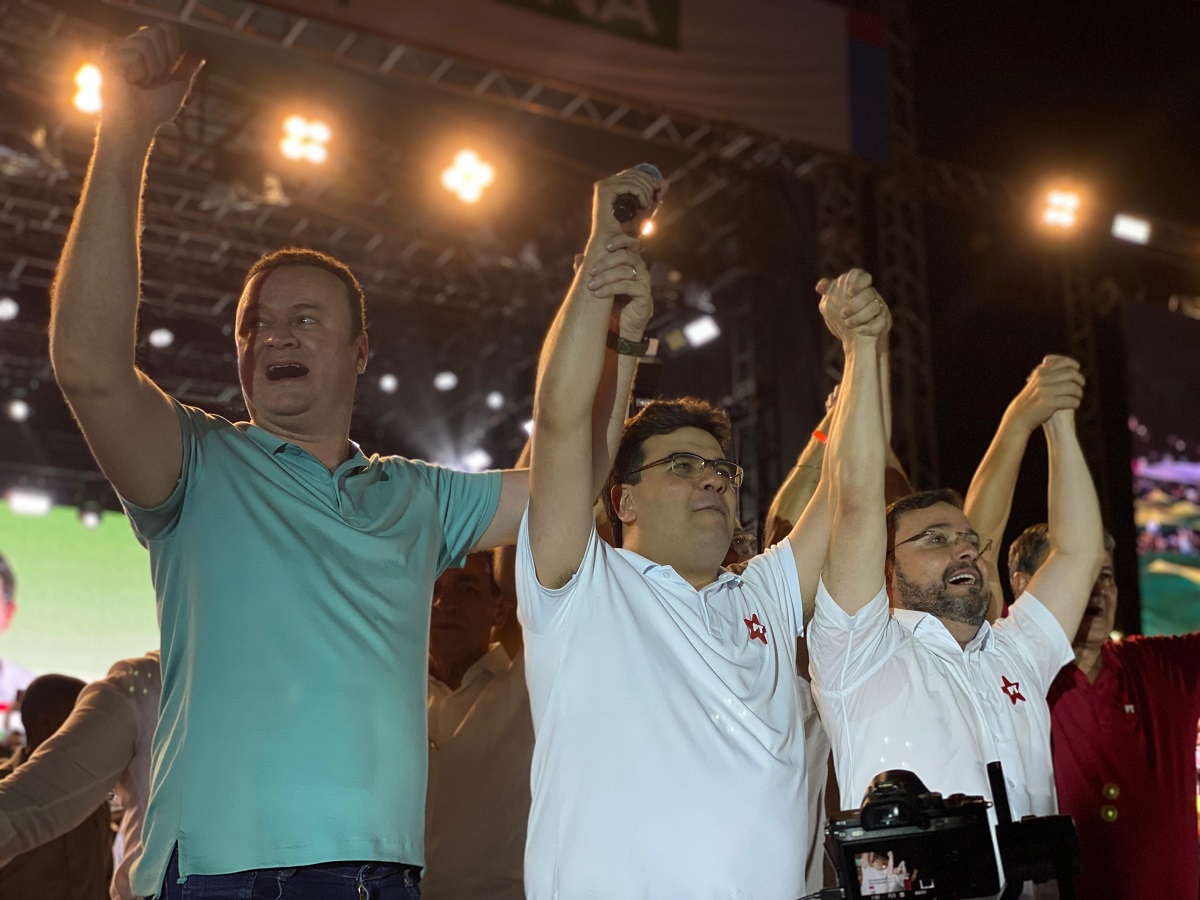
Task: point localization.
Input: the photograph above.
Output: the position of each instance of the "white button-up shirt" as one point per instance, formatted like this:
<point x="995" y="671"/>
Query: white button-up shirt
<point x="669" y="762"/>
<point x="896" y="691"/>
<point x="480" y="747"/>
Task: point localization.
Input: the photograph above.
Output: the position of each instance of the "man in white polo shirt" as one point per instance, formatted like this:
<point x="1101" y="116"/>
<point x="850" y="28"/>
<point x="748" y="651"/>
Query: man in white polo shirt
<point x="929" y="686"/>
<point x="669" y="760"/>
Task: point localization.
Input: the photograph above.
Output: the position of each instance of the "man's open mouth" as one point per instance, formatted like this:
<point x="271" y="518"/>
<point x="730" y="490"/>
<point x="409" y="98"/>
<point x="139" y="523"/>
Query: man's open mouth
<point x="286" y="370"/>
<point x="969" y="578"/>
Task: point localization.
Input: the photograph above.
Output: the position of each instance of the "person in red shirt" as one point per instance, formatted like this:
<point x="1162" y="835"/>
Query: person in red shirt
<point x="1123" y="733"/>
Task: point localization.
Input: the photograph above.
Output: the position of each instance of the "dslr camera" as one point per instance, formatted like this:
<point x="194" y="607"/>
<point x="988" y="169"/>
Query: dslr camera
<point x="907" y="842"/>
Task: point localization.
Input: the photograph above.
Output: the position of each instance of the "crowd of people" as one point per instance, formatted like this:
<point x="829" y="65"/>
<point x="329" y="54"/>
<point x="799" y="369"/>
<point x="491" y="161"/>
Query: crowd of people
<point x="625" y="698"/>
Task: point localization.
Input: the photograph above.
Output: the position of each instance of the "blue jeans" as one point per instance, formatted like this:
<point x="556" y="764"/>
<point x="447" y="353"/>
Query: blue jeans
<point x="328" y="881"/>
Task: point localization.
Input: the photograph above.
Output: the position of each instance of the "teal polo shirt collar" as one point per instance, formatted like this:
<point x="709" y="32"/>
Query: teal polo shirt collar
<point x="273" y="443"/>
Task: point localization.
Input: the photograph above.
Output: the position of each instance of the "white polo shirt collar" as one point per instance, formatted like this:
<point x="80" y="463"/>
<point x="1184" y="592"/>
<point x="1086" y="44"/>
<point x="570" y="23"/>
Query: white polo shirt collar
<point x="930" y="631"/>
<point x="650" y="569"/>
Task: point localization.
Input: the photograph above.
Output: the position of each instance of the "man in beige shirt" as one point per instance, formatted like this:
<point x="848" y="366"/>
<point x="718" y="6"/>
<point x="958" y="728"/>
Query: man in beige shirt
<point x="104" y="746"/>
<point x="480" y="743"/>
<point x="77" y="863"/>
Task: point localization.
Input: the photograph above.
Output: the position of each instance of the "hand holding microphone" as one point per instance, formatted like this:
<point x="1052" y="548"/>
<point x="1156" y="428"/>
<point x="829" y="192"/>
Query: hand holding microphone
<point x="621" y="200"/>
<point x="627" y="206"/>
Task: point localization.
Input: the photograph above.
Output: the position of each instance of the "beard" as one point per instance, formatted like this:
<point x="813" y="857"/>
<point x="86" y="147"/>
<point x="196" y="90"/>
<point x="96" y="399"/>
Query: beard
<point x="969" y="607"/>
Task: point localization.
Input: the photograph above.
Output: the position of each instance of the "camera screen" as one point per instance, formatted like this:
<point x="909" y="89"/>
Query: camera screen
<point x="959" y="863"/>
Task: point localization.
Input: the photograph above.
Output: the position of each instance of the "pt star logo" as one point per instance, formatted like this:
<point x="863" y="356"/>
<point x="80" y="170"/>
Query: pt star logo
<point x="1013" y="689"/>
<point x="758" y="631"/>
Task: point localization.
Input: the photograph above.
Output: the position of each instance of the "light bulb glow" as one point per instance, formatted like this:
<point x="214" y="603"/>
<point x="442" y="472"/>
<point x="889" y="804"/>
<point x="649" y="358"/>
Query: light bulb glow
<point x="305" y="140"/>
<point x="28" y="502"/>
<point x="468" y="176"/>
<point x="1062" y="209"/>
<point x="702" y="330"/>
<point x="19" y="410"/>
<point x="87" y="89"/>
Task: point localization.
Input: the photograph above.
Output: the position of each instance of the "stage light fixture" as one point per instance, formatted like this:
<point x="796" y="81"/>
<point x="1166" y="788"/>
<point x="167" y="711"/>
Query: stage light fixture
<point x="388" y="383"/>
<point x="8" y="309"/>
<point x="1062" y="209"/>
<point x="87" y="89"/>
<point x="445" y="381"/>
<point x="25" y="502"/>
<point x="305" y="139"/>
<point x="477" y="460"/>
<point x="161" y="338"/>
<point x="494" y="400"/>
<point x="19" y="410"/>
<point x="701" y="331"/>
<point x="1131" y="228"/>
<point x="467" y="176"/>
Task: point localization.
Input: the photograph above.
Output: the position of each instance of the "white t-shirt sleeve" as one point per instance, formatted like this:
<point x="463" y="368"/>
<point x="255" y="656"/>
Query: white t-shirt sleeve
<point x="844" y="650"/>
<point x="542" y="610"/>
<point x="1031" y="630"/>
<point x="774" y="572"/>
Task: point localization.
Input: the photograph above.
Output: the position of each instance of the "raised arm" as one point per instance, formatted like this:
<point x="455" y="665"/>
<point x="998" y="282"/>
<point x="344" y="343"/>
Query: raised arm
<point x="1064" y="581"/>
<point x="857" y="451"/>
<point x="566" y="442"/>
<point x="608" y="411"/>
<point x="128" y="422"/>
<point x="800" y="485"/>
<point x="1056" y="384"/>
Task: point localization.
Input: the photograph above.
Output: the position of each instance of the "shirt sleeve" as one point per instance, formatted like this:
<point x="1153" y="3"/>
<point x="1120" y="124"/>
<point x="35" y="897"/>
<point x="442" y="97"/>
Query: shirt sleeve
<point x="152" y="523"/>
<point x="466" y="502"/>
<point x="542" y="610"/>
<point x="1178" y="656"/>
<point x="774" y="572"/>
<point x="71" y="773"/>
<point x="843" y="649"/>
<point x="1032" y="630"/>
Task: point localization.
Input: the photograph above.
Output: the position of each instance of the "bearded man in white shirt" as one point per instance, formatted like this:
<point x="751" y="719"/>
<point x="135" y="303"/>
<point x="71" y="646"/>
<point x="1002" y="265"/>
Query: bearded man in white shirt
<point x="907" y="673"/>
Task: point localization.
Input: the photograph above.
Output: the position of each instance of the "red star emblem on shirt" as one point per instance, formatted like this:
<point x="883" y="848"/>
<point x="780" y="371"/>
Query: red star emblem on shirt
<point x="1013" y="689"/>
<point x="758" y="631"/>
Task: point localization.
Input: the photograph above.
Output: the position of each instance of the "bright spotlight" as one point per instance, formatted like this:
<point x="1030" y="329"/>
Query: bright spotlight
<point x="477" y="460"/>
<point x="388" y="383"/>
<point x="445" y="381"/>
<point x="702" y="330"/>
<point x="527" y="427"/>
<point x="161" y="338"/>
<point x="29" y="503"/>
<point x="19" y="410"/>
<point x="1131" y="228"/>
<point x="494" y="400"/>
<point x="305" y="139"/>
<point x="468" y="176"/>
<point x="8" y="309"/>
<point x="1062" y="209"/>
<point x="87" y="89"/>
<point x="89" y="518"/>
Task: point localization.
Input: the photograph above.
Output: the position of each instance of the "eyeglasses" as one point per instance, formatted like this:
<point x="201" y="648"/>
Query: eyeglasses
<point x="689" y="465"/>
<point x="943" y="538"/>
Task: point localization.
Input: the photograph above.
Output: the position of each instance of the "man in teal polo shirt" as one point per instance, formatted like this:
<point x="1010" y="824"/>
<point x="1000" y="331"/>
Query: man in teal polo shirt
<point x="293" y="573"/>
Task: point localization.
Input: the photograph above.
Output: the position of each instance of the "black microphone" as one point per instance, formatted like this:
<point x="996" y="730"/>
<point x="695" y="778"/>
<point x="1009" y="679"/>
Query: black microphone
<point x="626" y="206"/>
